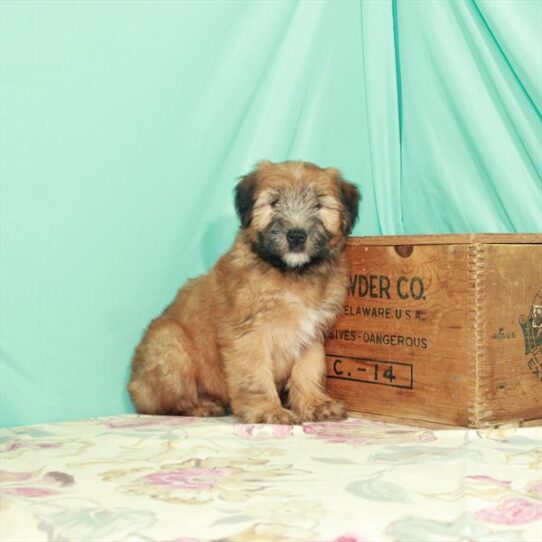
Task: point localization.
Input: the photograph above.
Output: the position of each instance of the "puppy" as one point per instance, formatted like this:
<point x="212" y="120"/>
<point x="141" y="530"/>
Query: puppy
<point x="252" y="329"/>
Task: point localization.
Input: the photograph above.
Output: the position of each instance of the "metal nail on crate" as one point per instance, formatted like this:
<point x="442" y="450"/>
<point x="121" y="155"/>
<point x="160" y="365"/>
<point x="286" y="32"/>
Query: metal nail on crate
<point x="441" y="329"/>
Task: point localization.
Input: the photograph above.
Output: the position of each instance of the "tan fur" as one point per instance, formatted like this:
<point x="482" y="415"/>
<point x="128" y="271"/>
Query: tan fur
<point x="241" y="334"/>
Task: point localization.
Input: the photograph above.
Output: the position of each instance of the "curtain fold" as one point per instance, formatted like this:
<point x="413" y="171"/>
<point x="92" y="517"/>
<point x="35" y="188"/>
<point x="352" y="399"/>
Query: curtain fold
<point x="125" y="126"/>
<point x="380" y="70"/>
<point x="471" y="148"/>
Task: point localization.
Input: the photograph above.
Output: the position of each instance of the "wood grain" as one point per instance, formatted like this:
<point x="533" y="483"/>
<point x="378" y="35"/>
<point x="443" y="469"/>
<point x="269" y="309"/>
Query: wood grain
<point x="421" y="336"/>
<point x="446" y="239"/>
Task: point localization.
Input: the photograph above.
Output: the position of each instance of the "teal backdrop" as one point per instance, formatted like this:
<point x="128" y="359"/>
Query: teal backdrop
<point x="125" y="125"/>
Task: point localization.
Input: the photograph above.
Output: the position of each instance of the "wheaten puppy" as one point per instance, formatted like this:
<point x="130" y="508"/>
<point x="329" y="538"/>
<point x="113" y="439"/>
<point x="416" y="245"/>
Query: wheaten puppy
<point x="251" y="330"/>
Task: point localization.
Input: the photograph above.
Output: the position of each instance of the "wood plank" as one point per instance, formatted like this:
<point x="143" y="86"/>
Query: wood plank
<point x="455" y="239"/>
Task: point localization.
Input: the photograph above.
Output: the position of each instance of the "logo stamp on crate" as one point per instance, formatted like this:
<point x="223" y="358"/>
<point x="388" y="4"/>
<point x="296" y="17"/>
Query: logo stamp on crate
<point x="383" y="287"/>
<point x="378" y="337"/>
<point x="370" y="371"/>
<point x="503" y="335"/>
<point x="531" y="325"/>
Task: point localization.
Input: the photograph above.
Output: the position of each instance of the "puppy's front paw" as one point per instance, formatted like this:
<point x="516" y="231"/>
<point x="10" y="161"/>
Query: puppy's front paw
<point x="206" y="407"/>
<point x="327" y="410"/>
<point x="275" y="416"/>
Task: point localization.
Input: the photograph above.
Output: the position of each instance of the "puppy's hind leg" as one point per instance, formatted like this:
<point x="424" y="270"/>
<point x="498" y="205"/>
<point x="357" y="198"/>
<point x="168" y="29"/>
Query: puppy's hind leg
<point x="163" y="377"/>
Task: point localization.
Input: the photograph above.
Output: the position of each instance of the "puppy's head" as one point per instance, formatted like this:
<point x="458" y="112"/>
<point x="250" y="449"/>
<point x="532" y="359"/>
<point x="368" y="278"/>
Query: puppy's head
<point x="295" y="214"/>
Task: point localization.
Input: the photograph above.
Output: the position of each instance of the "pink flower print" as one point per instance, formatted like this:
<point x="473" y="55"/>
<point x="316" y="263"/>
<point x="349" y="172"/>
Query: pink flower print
<point x="49" y="445"/>
<point x="10" y="476"/>
<point x="263" y="431"/>
<point x="189" y="478"/>
<point x="348" y="538"/>
<point x="15" y="445"/>
<point x="198" y="480"/>
<point x="535" y="488"/>
<point x="514" y="511"/>
<point x="481" y="478"/>
<point x="30" y="492"/>
<point x="32" y="484"/>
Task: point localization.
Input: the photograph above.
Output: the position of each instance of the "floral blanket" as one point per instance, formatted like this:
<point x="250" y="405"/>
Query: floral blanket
<point x="162" y="479"/>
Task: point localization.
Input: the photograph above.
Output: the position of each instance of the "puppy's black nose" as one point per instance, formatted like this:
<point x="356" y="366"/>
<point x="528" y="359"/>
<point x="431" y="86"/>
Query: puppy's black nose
<point x="296" y="237"/>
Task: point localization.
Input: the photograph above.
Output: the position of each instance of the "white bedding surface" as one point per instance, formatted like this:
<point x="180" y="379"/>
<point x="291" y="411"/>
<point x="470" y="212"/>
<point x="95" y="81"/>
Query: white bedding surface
<point x="162" y="479"/>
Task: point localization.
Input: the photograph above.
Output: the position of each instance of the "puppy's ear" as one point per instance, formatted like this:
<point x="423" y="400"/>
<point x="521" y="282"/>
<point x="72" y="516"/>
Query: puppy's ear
<point x="244" y="197"/>
<point x="350" y="198"/>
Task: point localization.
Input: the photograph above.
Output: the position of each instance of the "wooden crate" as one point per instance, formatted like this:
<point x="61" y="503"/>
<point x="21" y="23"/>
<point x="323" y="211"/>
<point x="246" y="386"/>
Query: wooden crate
<point x="441" y="328"/>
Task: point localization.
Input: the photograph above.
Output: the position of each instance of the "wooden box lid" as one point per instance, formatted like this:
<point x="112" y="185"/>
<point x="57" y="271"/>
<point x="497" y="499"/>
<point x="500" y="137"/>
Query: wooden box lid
<point x="449" y="239"/>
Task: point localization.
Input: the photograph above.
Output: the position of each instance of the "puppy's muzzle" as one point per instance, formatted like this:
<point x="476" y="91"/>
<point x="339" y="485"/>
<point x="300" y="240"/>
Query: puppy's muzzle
<point x="296" y="239"/>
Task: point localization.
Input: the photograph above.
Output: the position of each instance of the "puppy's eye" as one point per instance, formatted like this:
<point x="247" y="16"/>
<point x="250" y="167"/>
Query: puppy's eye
<point x="275" y="202"/>
<point x="318" y="206"/>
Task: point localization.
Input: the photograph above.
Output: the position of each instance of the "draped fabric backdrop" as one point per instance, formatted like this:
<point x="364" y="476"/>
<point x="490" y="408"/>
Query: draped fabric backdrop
<point x="126" y="123"/>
